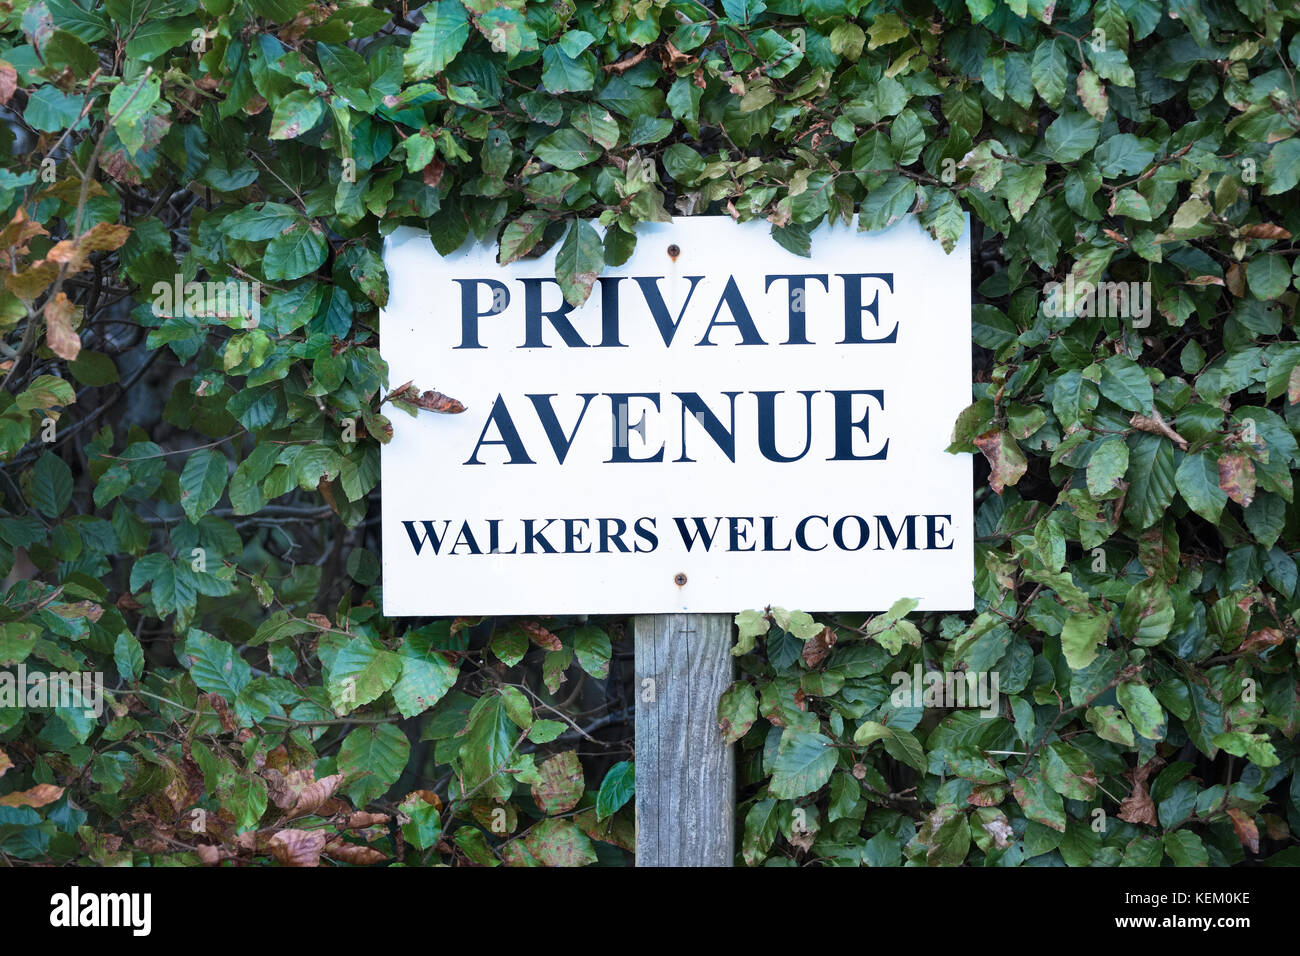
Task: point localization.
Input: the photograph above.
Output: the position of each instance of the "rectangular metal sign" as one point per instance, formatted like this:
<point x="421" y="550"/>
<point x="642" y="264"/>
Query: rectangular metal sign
<point x="722" y="425"/>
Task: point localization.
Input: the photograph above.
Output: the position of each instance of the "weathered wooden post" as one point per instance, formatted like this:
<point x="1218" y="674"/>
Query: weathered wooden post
<point x="685" y="774"/>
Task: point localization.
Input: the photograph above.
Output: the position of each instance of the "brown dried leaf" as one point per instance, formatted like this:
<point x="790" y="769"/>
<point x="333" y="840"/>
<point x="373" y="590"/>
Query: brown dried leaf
<point x="103" y="237"/>
<point x="1264" y="230"/>
<point x="1261" y="640"/>
<point x="30" y="283"/>
<point x="315" y="794"/>
<point x="1236" y="280"/>
<point x="1006" y="460"/>
<point x="1245" y="828"/>
<point x="1237" y="478"/>
<point x="127" y="603"/>
<point x="352" y="853"/>
<point x="5" y="763"/>
<point x="1138" y="807"/>
<point x="624" y="65"/>
<point x="1156" y="425"/>
<point x="319" y="620"/>
<point x="8" y="81"/>
<point x="1293" y="386"/>
<point x="438" y="402"/>
<point x="818" y="647"/>
<point x="433" y="172"/>
<point x="673" y="57"/>
<point x="219" y="704"/>
<point x="361" y="818"/>
<point x="298" y="847"/>
<point x="60" y="332"/>
<point x="541" y="636"/>
<point x="38" y="796"/>
<point x="15" y="237"/>
<point x="212" y="855"/>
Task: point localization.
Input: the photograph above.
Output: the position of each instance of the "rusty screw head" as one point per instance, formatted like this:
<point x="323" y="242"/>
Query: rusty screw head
<point x="674" y="251"/>
<point x="679" y="579"/>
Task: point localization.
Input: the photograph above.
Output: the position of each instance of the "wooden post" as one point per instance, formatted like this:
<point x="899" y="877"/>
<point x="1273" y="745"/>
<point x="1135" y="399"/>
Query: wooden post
<point x="685" y="774"/>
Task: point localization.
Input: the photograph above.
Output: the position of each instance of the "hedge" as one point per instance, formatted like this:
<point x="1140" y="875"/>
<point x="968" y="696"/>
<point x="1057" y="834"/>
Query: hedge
<point x="189" y="504"/>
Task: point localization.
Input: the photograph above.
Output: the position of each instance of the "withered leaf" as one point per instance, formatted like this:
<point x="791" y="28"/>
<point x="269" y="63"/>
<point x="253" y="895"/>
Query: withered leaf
<point x="38" y="796"/>
<point x="352" y="853"/>
<point x="541" y="636"/>
<point x="298" y="847"/>
<point x="1156" y="425"/>
<point x="1006" y="460"/>
<point x="1244" y="826"/>
<point x="1237" y="477"/>
<point x="818" y="648"/>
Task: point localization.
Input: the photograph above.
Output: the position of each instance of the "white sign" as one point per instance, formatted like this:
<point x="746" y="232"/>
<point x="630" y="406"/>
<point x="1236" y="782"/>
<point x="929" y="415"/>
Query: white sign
<point x="723" y="425"/>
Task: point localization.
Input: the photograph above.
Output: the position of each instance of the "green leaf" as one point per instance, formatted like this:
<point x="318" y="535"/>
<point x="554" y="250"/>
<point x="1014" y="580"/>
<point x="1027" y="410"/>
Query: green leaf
<point x="372" y="757"/>
<point x="128" y="656"/>
<point x="1080" y="636"/>
<point x="1197" y="480"/>
<point x="1268" y="276"/>
<point x="804" y="763"/>
<point x="567" y="149"/>
<point x="616" y="789"/>
<point x="1039" y="801"/>
<point x="579" y="262"/>
<point x="737" y="711"/>
<point x="905" y="748"/>
<point x="522" y="234"/>
<point x="1142" y="709"/>
<point x="437" y="41"/>
<point x="1109" y="724"/>
<point x="1071" y="136"/>
<point x="1049" y="71"/>
<point x="1255" y="747"/>
<point x="423" y="824"/>
<point x="360" y="672"/>
<point x="591" y="648"/>
<point x="1186" y="849"/>
<point x="202" y="482"/>
<point x="215" y="665"/>
<point x="1148" y="613"/>
<point x="561" y="783"/>
<point x="1125" y="384"/>
<point x="1151" y="482"/>
<point x="1107" y="466"/>
<point x="565" y="73"/>
<point x="489" y="741"/>
<point x="1069" y="772"/>
<point x="1282" y="168"/>
<point x="294" y="254"/>
<point x="556" y="842"/>
<point x="50" y="491"/>
<point x="426" y="678"/>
